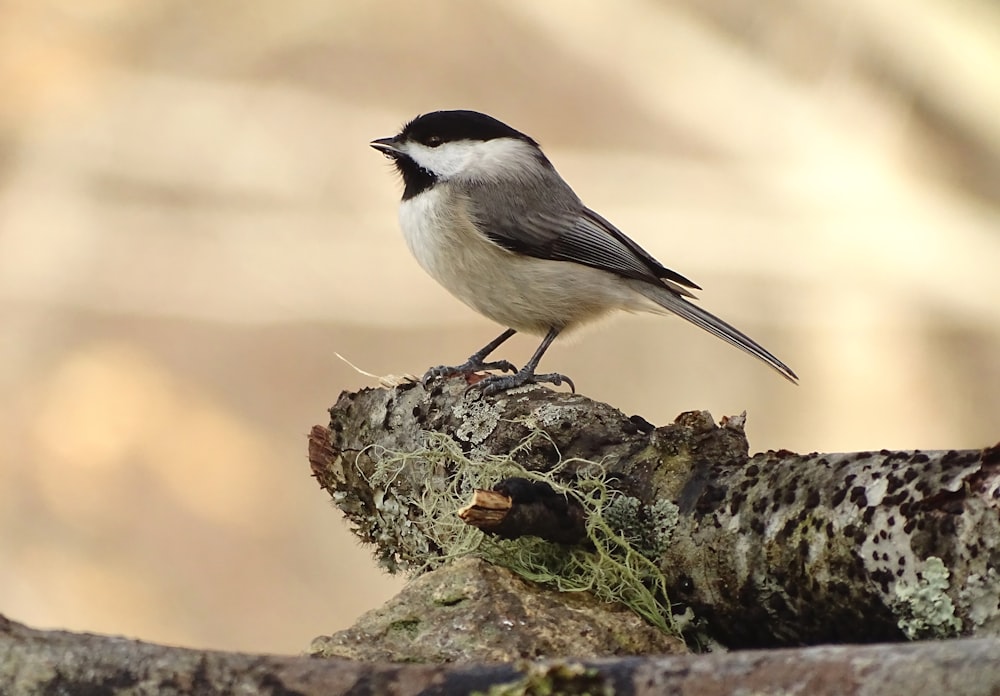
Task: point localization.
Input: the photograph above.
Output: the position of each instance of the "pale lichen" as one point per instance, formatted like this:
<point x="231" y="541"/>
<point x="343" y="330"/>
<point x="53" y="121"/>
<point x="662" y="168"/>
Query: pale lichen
<point x="981" y="596"/>
<point x="478" y="418"/>
<point x="924" y="607"/>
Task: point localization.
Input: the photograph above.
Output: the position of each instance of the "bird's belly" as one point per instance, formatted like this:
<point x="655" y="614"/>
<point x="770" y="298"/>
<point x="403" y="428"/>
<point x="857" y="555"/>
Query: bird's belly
<point x="525" y="293"/>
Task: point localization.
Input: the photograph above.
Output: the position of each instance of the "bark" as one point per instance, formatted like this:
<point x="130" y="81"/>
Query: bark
<point x="56" y="662"/>
<point x="770" y="550"/>
<point x="473" y="611"/>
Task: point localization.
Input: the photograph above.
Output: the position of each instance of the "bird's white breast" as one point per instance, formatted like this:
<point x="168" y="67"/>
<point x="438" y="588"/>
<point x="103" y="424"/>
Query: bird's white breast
<point x="522" y="292"/>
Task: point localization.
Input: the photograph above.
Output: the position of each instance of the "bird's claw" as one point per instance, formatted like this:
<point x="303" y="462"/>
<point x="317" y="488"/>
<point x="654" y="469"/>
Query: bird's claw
<point x="468" y="368"/>
<point x="494" y="384"/>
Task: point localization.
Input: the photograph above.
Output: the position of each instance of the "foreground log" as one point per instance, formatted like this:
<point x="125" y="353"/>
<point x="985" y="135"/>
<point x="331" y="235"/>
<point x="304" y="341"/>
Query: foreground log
<point x="774" y="549"/>
<point x="57" y="662"/>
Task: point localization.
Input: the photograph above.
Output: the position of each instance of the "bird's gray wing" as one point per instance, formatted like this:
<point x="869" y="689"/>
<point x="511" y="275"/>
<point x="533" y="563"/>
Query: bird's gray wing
<point x="557" y="226"/>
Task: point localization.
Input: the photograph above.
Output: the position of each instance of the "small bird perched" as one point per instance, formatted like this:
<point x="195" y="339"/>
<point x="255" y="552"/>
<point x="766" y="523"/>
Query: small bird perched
<point x="486" y="215"/>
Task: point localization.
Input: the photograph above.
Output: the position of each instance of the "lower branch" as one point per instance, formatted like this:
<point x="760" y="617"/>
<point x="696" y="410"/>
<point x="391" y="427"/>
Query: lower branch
<point x="56" y="662"/>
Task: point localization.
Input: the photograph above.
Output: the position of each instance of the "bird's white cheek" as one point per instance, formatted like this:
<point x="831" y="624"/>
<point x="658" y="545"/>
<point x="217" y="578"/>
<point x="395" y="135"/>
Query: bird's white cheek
<point x="445" y="161"/>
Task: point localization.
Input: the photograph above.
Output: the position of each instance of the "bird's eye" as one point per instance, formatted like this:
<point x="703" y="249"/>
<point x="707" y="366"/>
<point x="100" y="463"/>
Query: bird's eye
<point x="434" y="141"/>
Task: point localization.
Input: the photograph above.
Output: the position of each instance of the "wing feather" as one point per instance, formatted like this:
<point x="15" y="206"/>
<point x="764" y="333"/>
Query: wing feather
<point x="559" y="227"/>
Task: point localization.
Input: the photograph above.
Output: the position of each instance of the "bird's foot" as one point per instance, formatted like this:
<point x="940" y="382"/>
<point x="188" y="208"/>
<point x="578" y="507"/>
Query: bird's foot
<point x="469" y="367"/>
<point x="494" y="384"/>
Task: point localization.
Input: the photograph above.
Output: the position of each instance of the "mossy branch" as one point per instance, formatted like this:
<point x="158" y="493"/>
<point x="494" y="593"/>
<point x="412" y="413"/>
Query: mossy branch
<point x="774" y="549"/>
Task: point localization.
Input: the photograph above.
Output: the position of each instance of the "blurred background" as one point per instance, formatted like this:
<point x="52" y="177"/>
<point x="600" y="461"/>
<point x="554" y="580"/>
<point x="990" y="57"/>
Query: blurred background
<point x="192" y="224"/>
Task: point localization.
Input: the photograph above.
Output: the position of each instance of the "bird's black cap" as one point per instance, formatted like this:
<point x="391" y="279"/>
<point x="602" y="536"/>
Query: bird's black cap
<point x="448" y="126"/>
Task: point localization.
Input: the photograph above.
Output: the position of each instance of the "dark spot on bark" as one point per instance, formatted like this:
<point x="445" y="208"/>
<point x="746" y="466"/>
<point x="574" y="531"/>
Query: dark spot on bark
<point x="895" y="499"/>
<point x="859" y="537"/>
<point x="838" y="496"/>
<point x="684" y="585"/>
<point x="919" y="458"/>
<point x="910" y="474"/>
<point x="840" y="589"/>
<point x="756" y="526"/>
<point x="947" y="526"/>
<point x="777" y="604"/>
<point x="882" y="534"/>
<point x="883" y="577"/>
<point x="954" y="507"/>
<point x="874" y="555"/>
<point x="803" y="548"/>
<point x="641" y="424"/>
<point x="812" y="498"/>
<point x="849" y="530"/>
<point x="858" y="496"/>
<point x="829" y="529"/>
<point x="893" y="483"/>
<point x="950" y="457"/>
<point x="823" y="461"/>
<point x="891" y="521"/>
<point x="786" y="531"/>
<point x="789" y="495"/>
<point x="710" y="498"/>
<point x="759" y="505"/>
<point x="910" y="524"/>
<point x="736" y="501"/>
<point x="752" y="470"/>
<point x="869" y="515"/>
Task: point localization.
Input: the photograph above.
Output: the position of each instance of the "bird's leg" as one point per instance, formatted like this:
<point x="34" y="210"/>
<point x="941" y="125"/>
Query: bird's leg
<point x="476" y="361"/>
<point x="494" y="384"/>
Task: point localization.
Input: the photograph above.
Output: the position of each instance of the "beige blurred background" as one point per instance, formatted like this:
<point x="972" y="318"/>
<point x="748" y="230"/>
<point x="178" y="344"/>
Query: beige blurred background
<point x="192" y="224"/>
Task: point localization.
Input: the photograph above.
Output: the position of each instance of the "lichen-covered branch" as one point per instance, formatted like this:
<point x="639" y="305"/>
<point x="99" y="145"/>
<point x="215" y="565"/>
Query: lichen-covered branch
<point x="57" y="662"/>
<point x="774" y="549"/>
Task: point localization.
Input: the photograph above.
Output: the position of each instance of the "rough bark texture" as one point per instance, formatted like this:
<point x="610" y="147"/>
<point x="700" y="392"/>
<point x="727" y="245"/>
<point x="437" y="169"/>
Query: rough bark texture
<point x="471" y="610"/>
<point x="42" y="662"/>
<point x="770" y="550"/>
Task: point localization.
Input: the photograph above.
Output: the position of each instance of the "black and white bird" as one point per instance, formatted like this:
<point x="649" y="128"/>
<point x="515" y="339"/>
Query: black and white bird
<point x="487" y="215"/>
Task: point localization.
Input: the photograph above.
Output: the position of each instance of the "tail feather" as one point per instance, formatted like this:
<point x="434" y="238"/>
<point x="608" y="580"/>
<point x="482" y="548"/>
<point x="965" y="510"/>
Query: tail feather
<point x="675" y="304"/>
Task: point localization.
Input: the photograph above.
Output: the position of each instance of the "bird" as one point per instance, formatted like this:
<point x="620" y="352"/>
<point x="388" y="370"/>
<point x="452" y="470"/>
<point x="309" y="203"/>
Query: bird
<point x="486" y="214"/>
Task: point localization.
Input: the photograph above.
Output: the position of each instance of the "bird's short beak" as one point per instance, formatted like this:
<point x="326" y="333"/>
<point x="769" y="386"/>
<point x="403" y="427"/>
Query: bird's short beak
<point x="387" y="146"/>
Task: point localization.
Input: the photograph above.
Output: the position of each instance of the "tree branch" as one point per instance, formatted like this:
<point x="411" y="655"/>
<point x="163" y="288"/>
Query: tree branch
<point x="774" y="549"/>
<point x="50" y="662"/>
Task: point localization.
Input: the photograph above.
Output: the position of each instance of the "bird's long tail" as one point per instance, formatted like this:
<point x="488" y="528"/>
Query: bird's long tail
<point x="675" y="304"/>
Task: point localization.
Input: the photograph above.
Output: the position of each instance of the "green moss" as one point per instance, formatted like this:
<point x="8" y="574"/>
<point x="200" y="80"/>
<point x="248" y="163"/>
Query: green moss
<point x="416" y="527"/>
<point x="554" y="679"/>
